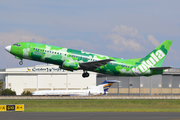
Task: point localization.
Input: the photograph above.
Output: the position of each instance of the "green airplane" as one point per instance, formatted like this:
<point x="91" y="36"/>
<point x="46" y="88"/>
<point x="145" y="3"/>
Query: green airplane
<point x="69" y="59"/>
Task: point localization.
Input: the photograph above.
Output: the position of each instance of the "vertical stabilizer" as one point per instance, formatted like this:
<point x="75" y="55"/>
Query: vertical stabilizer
<point x="107" y="84"/>
<point x="157" y="56"/>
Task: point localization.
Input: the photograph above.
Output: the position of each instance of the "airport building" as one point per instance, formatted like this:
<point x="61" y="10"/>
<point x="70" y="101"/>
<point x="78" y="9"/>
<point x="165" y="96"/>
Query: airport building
<point x="44" y="77"/>
<point x="51" y="77"/>
<point x="166" y="84"/>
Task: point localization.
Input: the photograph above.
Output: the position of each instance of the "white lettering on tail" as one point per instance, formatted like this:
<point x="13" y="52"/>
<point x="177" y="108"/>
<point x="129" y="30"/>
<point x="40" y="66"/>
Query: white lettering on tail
<point x="150" y="62"/>
<point x="160" y="54"/>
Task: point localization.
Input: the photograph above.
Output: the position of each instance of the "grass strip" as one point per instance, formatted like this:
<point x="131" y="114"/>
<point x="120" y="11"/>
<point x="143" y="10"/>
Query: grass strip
<point x="97" y="105"/>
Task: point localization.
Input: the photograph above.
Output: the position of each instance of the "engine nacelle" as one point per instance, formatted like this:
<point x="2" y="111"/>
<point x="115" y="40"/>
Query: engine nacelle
<point x="68" y="65"/>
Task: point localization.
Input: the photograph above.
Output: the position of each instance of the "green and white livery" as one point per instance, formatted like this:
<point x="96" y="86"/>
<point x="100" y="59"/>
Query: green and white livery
<point x="71" y="60"/>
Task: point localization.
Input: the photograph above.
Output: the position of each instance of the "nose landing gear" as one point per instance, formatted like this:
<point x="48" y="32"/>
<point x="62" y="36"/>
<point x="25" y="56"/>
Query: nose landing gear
<point x="85" y="74"/>
<point x="21" y="62"/>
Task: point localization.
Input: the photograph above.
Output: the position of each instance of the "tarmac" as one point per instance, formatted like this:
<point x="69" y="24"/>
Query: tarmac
<point x="88" y="116"/>
<point x="90" y="97"/>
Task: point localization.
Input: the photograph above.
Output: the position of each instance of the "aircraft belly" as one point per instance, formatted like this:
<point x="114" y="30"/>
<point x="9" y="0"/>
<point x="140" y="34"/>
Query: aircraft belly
<point x="117" y="71"/>
<point x="125" y="72"/>
<point x="53" y="61"/>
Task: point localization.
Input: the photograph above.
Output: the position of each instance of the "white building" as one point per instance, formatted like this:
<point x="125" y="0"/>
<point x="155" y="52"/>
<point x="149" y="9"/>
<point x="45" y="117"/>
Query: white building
<point x="44" y="77"/>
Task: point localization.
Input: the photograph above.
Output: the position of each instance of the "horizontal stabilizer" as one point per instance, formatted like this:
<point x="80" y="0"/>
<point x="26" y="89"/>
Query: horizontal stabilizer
<point x="159" y="68"/>
<point x="112" y="81"/>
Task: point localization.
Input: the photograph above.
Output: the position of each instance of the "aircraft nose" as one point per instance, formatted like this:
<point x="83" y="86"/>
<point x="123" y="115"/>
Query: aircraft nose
<point x="8" y="48"/>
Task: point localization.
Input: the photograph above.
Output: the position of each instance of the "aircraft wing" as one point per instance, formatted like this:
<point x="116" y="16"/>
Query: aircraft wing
<point x="94" y="64"/>
<point x="159" y="68"/>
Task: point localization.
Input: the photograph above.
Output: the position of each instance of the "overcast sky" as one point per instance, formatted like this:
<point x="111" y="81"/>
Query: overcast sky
<point x="118" y="28"/>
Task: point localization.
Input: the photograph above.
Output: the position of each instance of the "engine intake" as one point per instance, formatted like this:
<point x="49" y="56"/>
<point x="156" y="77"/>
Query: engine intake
<point x="68" y="65"/>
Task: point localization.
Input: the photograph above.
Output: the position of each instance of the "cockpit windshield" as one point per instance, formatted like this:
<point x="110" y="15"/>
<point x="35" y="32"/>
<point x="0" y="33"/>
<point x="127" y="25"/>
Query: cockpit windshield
<point x="17" y="45"/>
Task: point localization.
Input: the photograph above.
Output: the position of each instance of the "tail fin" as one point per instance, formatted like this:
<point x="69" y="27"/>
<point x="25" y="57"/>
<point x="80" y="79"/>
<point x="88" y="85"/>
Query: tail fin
<point x="157" y="56"/>
<point x="107" y="84"/>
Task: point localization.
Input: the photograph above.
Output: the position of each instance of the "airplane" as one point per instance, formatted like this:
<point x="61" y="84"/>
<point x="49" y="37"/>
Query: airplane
<point x="101" y="89"/>
<point x="69" y="59"/>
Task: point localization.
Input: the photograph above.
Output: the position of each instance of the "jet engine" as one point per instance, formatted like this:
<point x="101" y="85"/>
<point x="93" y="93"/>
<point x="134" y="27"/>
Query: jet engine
<point x="68" y="65"/>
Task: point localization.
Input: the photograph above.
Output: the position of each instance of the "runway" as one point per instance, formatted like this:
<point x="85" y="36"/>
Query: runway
<point x="150" y="97"/>
<point x="89" y="116"/>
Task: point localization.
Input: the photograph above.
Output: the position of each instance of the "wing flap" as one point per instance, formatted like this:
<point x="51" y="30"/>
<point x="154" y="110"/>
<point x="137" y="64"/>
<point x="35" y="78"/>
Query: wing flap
<point x="94" y="64"/>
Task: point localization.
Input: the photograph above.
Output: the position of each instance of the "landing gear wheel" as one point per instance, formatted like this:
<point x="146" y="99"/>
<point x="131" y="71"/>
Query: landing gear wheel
<point x="21" y="62"/>
<point x="85" y="74"/>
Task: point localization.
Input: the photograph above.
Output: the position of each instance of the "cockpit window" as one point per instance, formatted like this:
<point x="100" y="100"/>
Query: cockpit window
<point x="17" y="45"/>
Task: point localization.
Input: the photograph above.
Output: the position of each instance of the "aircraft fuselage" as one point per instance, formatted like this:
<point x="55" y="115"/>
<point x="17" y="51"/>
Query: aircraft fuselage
<point x="70" y="59"/>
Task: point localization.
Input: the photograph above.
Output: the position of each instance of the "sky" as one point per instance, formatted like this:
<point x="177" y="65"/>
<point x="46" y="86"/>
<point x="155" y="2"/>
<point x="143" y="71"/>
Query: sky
<point x="117" y="28"/>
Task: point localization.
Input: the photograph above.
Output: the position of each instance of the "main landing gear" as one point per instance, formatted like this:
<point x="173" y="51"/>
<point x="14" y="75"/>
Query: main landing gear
<point x="21" y="62"/>
<point x="85" y="74"/>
